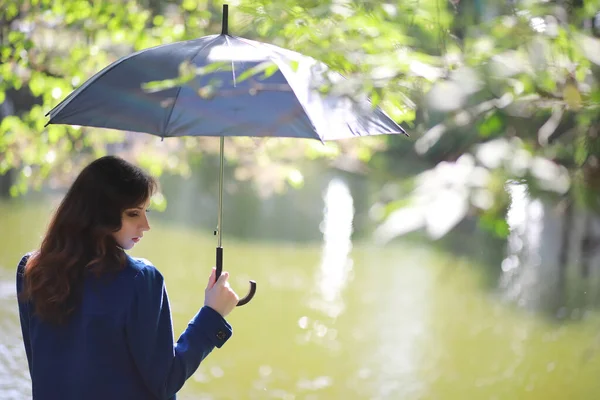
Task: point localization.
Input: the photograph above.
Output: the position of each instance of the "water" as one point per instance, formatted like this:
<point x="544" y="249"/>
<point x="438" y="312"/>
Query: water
<point x="334" y="317"/>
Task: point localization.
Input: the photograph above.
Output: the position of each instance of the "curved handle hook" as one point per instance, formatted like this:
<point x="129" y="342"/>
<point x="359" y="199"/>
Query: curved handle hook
<point x="246" y="299"/>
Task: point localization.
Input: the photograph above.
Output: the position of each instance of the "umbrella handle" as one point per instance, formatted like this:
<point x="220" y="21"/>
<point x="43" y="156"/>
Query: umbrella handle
<point x="252" y="291"/>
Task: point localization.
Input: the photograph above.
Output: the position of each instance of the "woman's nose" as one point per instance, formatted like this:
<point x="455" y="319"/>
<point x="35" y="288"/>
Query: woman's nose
<point x="146" y="224"/>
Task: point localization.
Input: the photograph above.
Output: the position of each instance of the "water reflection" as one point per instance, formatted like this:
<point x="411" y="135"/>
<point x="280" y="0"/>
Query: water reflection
<point x="332" y="275"/>
<point x="404" y="317"/>
<point x="336" y="264"/>
<point x="521" y="269"/>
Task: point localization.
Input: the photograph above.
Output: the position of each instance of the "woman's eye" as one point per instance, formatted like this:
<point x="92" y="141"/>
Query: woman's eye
<point x="132" y="214"/>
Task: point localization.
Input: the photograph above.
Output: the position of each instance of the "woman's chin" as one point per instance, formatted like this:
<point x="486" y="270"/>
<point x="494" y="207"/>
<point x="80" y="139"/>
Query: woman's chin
<point x="128" y="246"/>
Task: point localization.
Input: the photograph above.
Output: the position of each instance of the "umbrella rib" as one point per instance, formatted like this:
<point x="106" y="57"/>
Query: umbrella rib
<point x="88" y="83"/>
<point x="95" y="77"/>
<point x="278" y="52"/>
<point x="180" y="87"/>
<point x="276" y="61"/>
<point x="232" y="64"/>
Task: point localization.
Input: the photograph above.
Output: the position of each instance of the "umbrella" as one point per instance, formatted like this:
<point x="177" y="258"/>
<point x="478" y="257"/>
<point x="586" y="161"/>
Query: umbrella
<point x="234" y="87"/>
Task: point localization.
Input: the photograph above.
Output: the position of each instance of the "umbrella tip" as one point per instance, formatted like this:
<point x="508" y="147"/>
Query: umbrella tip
<point x="225" y="27"/>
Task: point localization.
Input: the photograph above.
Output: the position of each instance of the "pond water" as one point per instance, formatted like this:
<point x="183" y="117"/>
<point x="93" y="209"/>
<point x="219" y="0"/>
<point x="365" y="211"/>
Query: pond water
<point x="336" y="316"/>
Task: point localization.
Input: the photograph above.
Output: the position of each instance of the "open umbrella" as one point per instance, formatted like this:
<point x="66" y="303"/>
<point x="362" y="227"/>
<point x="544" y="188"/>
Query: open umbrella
<point x="235" y="87"/>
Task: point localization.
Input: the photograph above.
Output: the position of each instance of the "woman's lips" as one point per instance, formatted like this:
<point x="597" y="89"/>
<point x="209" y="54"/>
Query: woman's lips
<point x="136" y="239"/>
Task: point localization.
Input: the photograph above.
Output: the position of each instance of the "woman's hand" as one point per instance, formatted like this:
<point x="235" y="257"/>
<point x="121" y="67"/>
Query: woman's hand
<point x="219" y="295"/>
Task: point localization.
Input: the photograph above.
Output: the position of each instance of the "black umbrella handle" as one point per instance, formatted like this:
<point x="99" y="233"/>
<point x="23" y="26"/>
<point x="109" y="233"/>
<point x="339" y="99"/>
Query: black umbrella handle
<point x="218" y="272"/>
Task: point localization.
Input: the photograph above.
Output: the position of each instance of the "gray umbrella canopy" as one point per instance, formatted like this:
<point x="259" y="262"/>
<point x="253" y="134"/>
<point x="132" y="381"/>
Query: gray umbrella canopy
<point x="227" y="97"/>
<point x="232" y="87"/>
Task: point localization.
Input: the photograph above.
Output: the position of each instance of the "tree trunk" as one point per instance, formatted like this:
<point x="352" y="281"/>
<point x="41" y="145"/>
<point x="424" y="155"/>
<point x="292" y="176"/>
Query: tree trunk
<point x="552" y="263"/>
<point x="6" y="181"/>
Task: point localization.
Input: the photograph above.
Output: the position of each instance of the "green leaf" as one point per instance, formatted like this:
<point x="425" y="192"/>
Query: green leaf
<point x="55" y="133"/>
<point x="270" y="70"/>
<point x="295" y="178"/>
<point x="189" y="5"/>
<point x="250" y="72"/>
<point x="157" y="86"/>
<point x="37" y="84"/>
<point x="10" y="11"/>
<point x="491" y="125"/>
<point x="158" y="202"/>
<point x="581" y="151"/>
<point x="376" y="97"/>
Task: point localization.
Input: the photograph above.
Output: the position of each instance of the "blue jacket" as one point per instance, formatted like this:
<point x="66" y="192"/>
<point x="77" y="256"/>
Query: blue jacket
<point x="118" y="344"/>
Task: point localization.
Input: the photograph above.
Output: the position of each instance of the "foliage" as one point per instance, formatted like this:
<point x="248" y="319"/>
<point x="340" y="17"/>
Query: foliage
<point x="520" y="103"/>
<point x="501" y="91"/>
<point x="50" y="48"/>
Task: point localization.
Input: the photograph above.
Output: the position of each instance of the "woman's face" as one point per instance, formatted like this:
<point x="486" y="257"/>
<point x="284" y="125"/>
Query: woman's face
<point x="134" y="222"/>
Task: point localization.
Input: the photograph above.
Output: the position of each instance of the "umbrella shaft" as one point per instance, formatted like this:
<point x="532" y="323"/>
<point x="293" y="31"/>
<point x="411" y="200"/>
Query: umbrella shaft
<point x="220" y="217"/>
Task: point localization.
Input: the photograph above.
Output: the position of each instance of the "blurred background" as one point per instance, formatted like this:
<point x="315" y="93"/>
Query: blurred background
<point x="462" y="262"/>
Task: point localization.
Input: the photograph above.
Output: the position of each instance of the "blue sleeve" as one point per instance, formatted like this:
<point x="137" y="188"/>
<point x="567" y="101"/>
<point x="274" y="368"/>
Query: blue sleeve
<point x="164" y="366"/>
<point x="24" y="310"/>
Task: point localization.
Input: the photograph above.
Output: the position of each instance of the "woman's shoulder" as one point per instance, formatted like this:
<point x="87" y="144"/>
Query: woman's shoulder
<point x="21" y="270"/>
<point x="23" y="262"/>
<point x="142" y="267"/>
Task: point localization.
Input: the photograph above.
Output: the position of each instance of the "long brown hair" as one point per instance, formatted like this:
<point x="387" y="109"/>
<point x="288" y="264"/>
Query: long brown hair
<point x="79" y="236"/>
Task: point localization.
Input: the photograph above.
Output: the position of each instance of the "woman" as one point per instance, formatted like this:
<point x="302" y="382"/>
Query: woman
<point x="96" y="322"/>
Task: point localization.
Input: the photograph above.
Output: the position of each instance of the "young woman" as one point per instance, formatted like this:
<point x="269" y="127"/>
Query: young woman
<point x="96" y="322"/>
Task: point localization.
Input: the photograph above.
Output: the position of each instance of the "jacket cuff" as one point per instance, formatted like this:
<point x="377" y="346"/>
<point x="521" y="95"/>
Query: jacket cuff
<point x="213" y="325"/>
